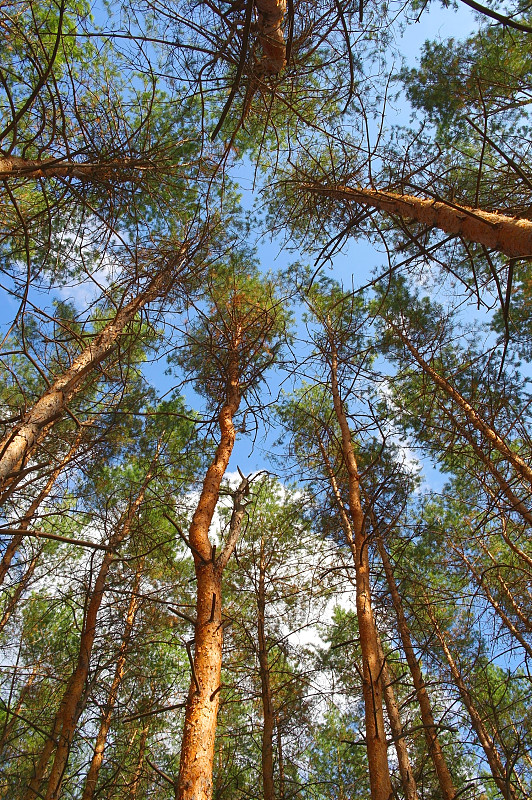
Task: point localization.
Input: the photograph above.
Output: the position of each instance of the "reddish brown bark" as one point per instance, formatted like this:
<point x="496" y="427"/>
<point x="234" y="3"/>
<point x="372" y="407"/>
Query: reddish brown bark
<point x="500" y="775"/>
<point x="197" y="747"/>
<point x="427" y="717"/>
<point x="72" y="703"/>
<point x="396" y="726"/>
<point x="379" y="774"/>
<point x="510" y="235"/>
<point x="394" y="717"/>
<point x="18" y="445"/>
<point x="105" y="723"/>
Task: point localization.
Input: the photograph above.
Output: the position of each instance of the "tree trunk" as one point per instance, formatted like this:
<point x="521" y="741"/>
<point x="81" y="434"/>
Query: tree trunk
<point x="72" y="703"/>
<point x="266" y="694"/>
<point x="117" y="170"/>
<point x="197" y="747"/>
<point x="436" y="753"/>
<point x="394" y="716"/>
<point x="105" y="723"/>
<point x="16" y="541"/>
<point x="510" y="235"/>
<point x="500" y="775"/>
<point x="407" y="776"/>
<point x="381" y="787"/>
<point x="18" y="445"/>
<point x="490" y="435"/>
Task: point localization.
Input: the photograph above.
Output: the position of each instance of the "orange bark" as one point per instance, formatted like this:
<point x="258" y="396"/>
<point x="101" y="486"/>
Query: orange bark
<point x="18" y="445"/>
<point x="270" y="34"/>
<point x="197" y="747"/>
<point x="119" y="169"/>
<point x="379" y="774"/>
<point x="510" y="235"/>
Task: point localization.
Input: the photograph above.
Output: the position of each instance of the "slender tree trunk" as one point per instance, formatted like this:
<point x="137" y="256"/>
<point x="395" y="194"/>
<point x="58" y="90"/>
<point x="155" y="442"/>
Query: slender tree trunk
<point x="500" y="775"/>
<point x="270" y="35"/>
<point x="280" y="759"/>
<point x="16" y="541"/>
<point x="105" y="723"/>
<point x="135" y="783"/>
<point x="510" y="235"/>
<point x="266" y="694"/>
<point x="405" y="769"/>
<point x="434" y="747"/>
<point x="381" y="786"/>
<point x="12" y="715"/>
<point x="73" y="699"/>
<point x="481" y="583"/>
<point x="197" y="747"/>
<point x="394" y="716"/>
<point x="18" y="445"/>
<point x="474" y="418"/>
<point x="18" y="592"/>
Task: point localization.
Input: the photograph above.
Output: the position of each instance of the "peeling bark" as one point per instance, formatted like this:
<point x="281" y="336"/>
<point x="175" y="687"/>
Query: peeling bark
<point x="117" y="170"/>
<point x="510" y="235"/>
<point x="271" y="37"/>
<point x="197" y="747"/>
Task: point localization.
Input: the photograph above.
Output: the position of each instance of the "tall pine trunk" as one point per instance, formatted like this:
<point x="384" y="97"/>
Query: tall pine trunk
<point x="379" y="774"/>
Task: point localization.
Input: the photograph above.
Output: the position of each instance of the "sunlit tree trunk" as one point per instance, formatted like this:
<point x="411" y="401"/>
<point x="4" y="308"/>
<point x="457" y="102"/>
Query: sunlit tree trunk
<point x="510" y="235"/>
<point x="394" y="717"/>
<point x="116" y="170"/>
<point x="197" y="748"/>
<point x="17" y="539"/>
<point x="381" y="787"/>
<point x="18" y="445"/>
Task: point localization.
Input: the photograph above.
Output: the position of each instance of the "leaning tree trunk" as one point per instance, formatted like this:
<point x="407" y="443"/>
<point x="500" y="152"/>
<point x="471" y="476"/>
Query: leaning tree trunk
<point x="429" y="726"/>
<point x="19" y="444"/>
<point x="197" y="747"/>
<point x="510" y="235"/>
<point x="491" y="436"/>
<point x="71" y="706"/>
<point x="379" y="773"/>
<point x="105" y="723"/>
<point x="498" y="770"/>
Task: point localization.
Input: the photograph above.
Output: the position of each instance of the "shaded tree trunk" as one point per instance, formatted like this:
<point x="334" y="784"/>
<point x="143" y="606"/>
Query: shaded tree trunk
<point x="72" y="703"/>
<point x="500" y="775"/>
<point x="266" y="694"/>
<point x="430" y="728"/>
<point x="105" y="723"/>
